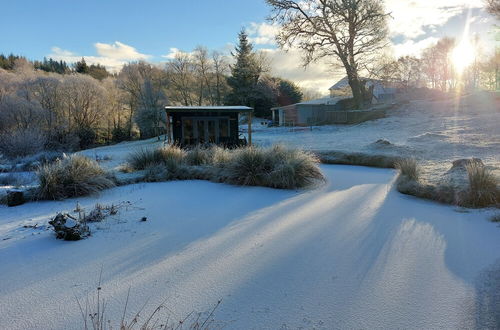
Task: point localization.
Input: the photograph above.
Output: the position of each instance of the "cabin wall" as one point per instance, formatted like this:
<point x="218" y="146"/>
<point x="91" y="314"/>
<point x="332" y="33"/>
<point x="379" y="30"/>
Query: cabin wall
<point x="177" y="124"/>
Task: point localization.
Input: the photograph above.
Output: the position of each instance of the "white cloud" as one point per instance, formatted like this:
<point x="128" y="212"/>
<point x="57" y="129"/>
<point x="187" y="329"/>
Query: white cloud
<point x="317" y="76"/>
<point x="119" y="51"/>
<point x="262" y="33"/>
<point x="410" y="18"/>
<point x="112" y="56"/>
<point x="413" y="48"/>
<point x="172" y="53"/>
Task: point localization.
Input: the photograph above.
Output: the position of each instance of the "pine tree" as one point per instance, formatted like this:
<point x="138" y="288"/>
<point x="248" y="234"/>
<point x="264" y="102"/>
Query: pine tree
<point x="245" y="74"/>
<point x="82" y="67"/>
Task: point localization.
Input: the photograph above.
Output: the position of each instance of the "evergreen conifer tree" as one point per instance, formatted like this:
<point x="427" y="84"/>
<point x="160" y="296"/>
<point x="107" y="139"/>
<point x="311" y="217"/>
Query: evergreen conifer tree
<point x="245" y="74"/>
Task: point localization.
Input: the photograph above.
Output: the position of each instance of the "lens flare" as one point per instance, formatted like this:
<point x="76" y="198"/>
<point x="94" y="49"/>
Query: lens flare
<point x="463" y="55"/>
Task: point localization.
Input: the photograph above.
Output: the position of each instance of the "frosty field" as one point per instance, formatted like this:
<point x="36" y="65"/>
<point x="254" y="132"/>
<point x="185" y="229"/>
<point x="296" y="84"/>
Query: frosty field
<point x="433" y="132"/>
<point x="353" y="253"/>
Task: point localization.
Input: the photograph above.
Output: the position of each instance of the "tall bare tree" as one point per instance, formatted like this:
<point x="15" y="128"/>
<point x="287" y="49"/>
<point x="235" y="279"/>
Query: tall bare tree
<point x="221" y="68"/>
<point x="203" y="69"/>
<point x="493" y="7"/>
<point x="180" y="72"/>
<point x="348" y="30"/>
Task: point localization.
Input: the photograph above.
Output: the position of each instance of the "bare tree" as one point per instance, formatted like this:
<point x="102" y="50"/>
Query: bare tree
<point x="348" y="30"/>
<point x="84" y="99"/>
<point x="180" y="75"/>
<point x="493" y="7"/>
<point x="203" y="69"/>
<point x="437" y="64"/>
<point x="221" y="68"/>
<point x="145" y="86"/>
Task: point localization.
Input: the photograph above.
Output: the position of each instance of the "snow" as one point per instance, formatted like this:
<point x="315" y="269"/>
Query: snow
<point x="352" y="253"/>
<point x="434" y="132"/>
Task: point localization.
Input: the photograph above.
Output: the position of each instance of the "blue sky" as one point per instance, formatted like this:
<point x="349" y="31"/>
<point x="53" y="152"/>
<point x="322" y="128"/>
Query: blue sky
<point x="114" y="32"/>
<point x="152" y="27"/>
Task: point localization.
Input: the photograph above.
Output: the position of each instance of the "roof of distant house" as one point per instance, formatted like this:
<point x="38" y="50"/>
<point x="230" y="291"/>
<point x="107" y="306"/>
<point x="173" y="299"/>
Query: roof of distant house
<point x="321" y="101"/>
<point x="344" y="82"/>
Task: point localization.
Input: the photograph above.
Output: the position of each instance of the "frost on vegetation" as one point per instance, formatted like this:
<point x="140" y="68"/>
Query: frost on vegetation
<point x="467" y="183"/>
<point x="75" y="225"/>
<point x="72" y="176"/>
<point x="276" y="167"/>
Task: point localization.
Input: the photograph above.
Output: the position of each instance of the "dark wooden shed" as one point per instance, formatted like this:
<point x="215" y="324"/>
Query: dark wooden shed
<point x="192" y="125"/>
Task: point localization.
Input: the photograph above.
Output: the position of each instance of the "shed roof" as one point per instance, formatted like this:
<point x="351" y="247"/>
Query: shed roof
<point x="230" y="108"/>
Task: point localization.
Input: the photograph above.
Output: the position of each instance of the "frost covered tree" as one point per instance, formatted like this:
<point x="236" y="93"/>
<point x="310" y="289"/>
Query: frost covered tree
<point x="350" y="31"/>
<point x="144" y="84"/>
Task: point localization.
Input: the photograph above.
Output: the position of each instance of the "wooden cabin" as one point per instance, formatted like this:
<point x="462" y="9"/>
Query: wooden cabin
<point x="192" y="125"/>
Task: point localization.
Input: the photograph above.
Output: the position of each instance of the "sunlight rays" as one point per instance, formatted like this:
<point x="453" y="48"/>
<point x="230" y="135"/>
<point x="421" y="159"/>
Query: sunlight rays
<point x="464" y="53"/>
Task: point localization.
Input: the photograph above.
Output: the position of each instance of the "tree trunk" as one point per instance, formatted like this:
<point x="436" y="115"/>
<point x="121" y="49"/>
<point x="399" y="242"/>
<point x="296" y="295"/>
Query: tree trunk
<point x="357" y="89"/>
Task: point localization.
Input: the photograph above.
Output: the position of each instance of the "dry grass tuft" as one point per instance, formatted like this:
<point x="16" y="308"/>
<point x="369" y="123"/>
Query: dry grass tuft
<point x="170" y="156"/>
<point x="357" y="158"/>
<point x="483" y="187"/>
<point x="409" y="168"/>
<point x="71" y="176"/>
<point x="199" y="155"/>
<point x="276" y="167"/>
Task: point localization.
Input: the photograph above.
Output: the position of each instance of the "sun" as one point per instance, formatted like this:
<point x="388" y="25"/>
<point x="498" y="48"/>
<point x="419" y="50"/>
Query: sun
<point x="463" y="55"/>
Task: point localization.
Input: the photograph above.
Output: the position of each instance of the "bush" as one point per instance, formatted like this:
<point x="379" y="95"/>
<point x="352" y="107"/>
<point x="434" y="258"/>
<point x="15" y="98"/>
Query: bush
<point x="358" y="158"/>
<point x="71" y="176"/>
<point x="120" y="134"/>
<point x="199" y="156"/>
<point x="483" y="186"/>
<point x="171" y="156"/>
<point x="220" y="156"/>
<point x="409" y="168"/>
<point x="22" y="143"/>
<point x="276" y="167"/>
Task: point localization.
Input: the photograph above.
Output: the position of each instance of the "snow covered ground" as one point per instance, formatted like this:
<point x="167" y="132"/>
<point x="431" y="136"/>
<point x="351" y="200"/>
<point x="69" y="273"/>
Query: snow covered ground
<point x="352" y="253"/>
<point x="434" y="132"/>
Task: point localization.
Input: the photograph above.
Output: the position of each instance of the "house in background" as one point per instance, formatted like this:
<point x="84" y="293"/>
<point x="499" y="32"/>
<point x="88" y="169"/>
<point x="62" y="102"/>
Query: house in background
<point x="382" y="91"/>
<point x="329" y="110"/>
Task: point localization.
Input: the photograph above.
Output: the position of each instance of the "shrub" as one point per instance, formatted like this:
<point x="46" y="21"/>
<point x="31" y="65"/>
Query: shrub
<point x="171" y="156"/>
<point x="21" y="143"/>
<point x="276" y="167"/>
<point x="495" y="218"/>
<point x="71" y="176"/>
<point x="220" y="156"/>
<point x="248" y="167"/>
<point x="483" y="186"/>
<point x="358" y="158"/>
<point x="199" y="156"/>
<point x="409" y="168"/>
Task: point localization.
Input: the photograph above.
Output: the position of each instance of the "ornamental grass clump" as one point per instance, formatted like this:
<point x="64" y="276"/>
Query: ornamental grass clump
<point x="408" y="167"/>
<point x="171" y="156"/>
<point x="483" y="187"/>
<point x="71" y="176"/>
<point x="199" y="155"/>
<point x="276" y="167"/>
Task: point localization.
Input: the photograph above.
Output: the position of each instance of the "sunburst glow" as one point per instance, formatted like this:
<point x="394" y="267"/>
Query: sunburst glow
<point x="463" y="55"/>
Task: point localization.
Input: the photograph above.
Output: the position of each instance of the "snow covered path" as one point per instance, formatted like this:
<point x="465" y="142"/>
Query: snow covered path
<point x="353" y="253"/>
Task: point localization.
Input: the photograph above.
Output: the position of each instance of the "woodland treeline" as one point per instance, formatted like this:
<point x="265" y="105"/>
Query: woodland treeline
<point x="52" y="105"/>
